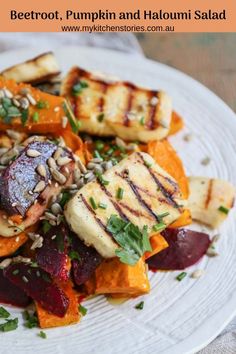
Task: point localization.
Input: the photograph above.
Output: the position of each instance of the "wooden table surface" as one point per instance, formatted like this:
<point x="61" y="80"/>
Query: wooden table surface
<point x="208" y="57"/>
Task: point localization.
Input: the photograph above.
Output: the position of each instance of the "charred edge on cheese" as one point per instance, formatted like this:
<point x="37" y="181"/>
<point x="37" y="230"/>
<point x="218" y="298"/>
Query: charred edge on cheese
<point x="152" y="112"/>
<point x="209" y="192"/>
<point x="116" y="205"/>
<point x="125" y="176"/>
<point x="99" y="222"/>
<point x="130" y="96"/>
<point x="164" y="191"/>
<point x="101" y="99"/>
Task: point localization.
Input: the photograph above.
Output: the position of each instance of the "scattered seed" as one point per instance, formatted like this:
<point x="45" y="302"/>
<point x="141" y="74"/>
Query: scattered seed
<point x="56" y="109"/>
<point x="20" y="259"/>
<point x="14" y="204"/>
<point x="52" y="222"/>
<point x="205" y="161"/>
<point x="30" y="192"/>
<point x="52" y="163"/>
<point x="57" y="153"/>
<point x="61" y="142"/>
<point x="188" y="137"/>
<point x="108" y="165"/>
<point x="14" y="135"/>
<point x="120" y="142"/>
<point x="39" y="187"/>
<point x="97" y="160"/>
<point x="81" y="183"/>
<point x="41" y="170"/>
<point x="56" y="208"/>
<point x="5" y="263"/>
<point x="197" y="273"/>
<point x="7" y="93"/>
<point x="64" y="122"/>
<point x="77" y="175"/>
<point x="38" y="243"/>
<point x="50" y="216"/>
<point x="3" y="151"/>
<point x="81" y="165"/>
<point x="91" y="165"/>
<point x="25" y="279"/>
<point x="24" y="103"/>
<point x="211" y="252"/>
<point x="33" y="153"/>
<point x="91" y="178"/>
<point x="61" y="161"/>
<point x="98" y="169"/>
<point x="87" y="175"/>
<point x="58" y="176"/>
<point x="16" y="102"/>
<point x="53" y="237"/>
<point x="31" y="99"/>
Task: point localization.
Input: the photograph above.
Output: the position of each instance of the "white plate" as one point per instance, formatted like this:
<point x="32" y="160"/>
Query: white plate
<point x="178" y="317"/>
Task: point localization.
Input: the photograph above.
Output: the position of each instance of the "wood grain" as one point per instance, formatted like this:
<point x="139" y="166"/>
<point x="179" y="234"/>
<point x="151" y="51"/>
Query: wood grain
<point x="207" y="57"/>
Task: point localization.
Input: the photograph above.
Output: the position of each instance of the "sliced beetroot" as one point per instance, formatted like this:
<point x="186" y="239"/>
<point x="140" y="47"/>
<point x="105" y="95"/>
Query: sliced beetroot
<point x="38" y="285"/>
<point x="20" y="178"/>
<point x="186" y="247"/>
<point x="89" y="259"/>
<point x="11" y="294"/>
<point x="52" y="256"/>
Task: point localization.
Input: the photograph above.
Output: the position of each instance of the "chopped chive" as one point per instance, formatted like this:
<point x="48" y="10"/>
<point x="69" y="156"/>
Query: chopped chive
<point x="9" y="325"/>
<point x="100" y="117"/>
<point x="4" y="313"/>
<point x="110" y="151"/>
<point x="101" y="179"/>
<point x="140" y="305"/>
<point x="181" y="276"/>
<point x="93" y="203"/>
<point x="102" y="205"/>
<point x="159" y="227"/>
<point x="96" y="154"/>
<point x="120" y="193"/>
<point x="24" y="116"/>
<point x="99" y="145"/>
<point x="82" y="310"/>
<point x="31" y="320"/>
<point x="78" y="88"/>
<point x="35" y="117"/>
<point x="42" y="104"/>
<point x="75" y="124"/>
<point x="142" y="121"/>
<point x="74" y="255"/>
<point x="223" y="209"/>
<point x="42" y="335"/>
<point x="15" y="272"/>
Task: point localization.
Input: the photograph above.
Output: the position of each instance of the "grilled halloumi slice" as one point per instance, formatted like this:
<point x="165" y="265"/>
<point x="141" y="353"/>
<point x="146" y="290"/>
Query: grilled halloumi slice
<point x="210" y="199"/>
<point x="42" y="68"/>
<point x="116" y="108"/>
<point x="148" y="191"/>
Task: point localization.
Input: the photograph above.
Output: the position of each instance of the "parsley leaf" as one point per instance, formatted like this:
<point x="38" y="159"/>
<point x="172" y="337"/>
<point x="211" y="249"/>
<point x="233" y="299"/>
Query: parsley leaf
<point x="134" y="242"/>
<point x="31" y="321"/>
<point x="4" y="313"/>
<point x="82" y="310"/>
<point x="140" y="305"/>
<point x="42" y="334"/>
<point x="74" y="255"/>
<point x="78" y="88"/>
<point x="9" y="325"/>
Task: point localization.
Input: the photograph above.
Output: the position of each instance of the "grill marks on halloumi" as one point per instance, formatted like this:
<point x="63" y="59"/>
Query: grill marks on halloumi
<point x="148" y="192"/>
<point x="129" y="111"/>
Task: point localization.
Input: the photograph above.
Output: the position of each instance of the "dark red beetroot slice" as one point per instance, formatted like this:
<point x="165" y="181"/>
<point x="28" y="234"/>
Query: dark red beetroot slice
<point x="52" y="256"/>
<point x="186" y="247"/>
<point x="11" y="294"/>
<point x="89" y="260"/>
<point x="21" y="177"/>
<point x="38" y="285"/>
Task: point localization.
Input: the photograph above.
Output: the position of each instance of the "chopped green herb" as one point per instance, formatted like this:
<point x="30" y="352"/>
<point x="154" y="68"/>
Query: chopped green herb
<point x="4" y="313"/>
<point x="34" y="265"/>
<point x="96" y="154"/>
<point x="75" y="124"/>
<point x="46" y="226"/>
<point x="159" y="227"/>
<point x="99" y="145"/>
<point x="24" y="116"/>
<point x="120" y="193"/>
<point x="181" y="276"/>
<point x="60" y="242"/>
<point x="110" y="151"/>
<point x="140" y="305"/>
<point x="102" y="205"/>
<point x="9" y="325"/>
<point x="74" y="255"/>
<point x="31" y="321"/>
<point x="133" y="242"/>
<point x="82" y="310"/>
<point x="101" y="179"/>
<point x="42" y="335"/>
<point x="93" y="203"/>
<point x="142" y="121"/>
<point x="35" y="117"/>
<point x="42" y="104"/>
<point x="15" y="272"/>
<point x="78" y="88"/>
<point x="65" y="198"/>
<point x="100" y="117"/>
<point x="223" y="209"/>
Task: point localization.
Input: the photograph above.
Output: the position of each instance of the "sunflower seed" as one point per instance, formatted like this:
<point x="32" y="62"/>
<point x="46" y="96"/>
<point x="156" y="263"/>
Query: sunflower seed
<point x="98" y="169"/>
<point x="72" y="186"/>
<point x="97" y="160"/>
<point x="197" y="273"/>
<point x="52" y="163"/>
<point x="205" y="161"/>
<point x="107" y="165"/>
<point x="3" y="151"/>
<point x="57" y="153"/>
<point x="120" y="142"/>
<point x="64" y="122"/>
<point x="2" y="93"/>
<point x="56" y="208"/>
<point x="53" y="237"/>
<point x="16" y="102"/>
<point x="52" y="222"/>
<point x="91" y="178"/>
<point x="5" y="263"/>
<point x="7" y="93"/>
<point x="61" y="161"/>
<point x="57" y="109"/>
<point x="211" y="252"/>
<point x="14" y="135"/>
<point x="80" y="165"/>
<point x="131" y="147"/>
<point x="26" y="280"/>
<point x="24" y="103"/>
<point x="87" y="175"/>
<point x="80" y="183"/>
<point x="41" y="170"/>
<point x="8" y="156"/>
<point x="20" y="259"/>
<point x="50" y="216"/>
<point x="77" y="175"/>
<point x="31" y="99"/>
<point x="73" y="191"/>
<point x="58" y="177"/>
<point x="91" y="165"/>
<point x="61" y="142"/>
<point x="38" y="243"/>
<point x="40" y="186"/>
<point x="33" y="153"/>
<point x="33" y="236"/>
